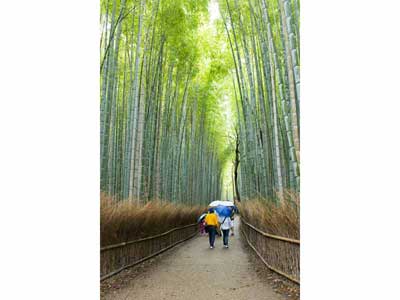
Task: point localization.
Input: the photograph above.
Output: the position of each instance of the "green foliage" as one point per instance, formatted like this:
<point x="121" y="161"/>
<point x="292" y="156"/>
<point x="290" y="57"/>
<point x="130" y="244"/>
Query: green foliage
<point x="263" y="39"/>
<point x="183" y="73"/>
<point x="175" y="89"/>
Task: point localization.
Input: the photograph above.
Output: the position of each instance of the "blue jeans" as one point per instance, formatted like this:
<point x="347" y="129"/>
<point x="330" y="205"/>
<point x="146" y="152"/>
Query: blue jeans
<point x="211" y="235"/>
<point x="225" y="233"/>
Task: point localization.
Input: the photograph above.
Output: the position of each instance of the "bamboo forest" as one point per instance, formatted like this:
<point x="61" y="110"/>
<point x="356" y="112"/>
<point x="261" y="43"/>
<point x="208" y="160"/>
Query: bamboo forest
<point x="199" y="101"/>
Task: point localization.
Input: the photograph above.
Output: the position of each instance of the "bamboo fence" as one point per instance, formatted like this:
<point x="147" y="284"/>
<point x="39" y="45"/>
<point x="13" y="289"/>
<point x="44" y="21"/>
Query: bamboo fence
<point x="118" y="257"/>
<point x="280" y="254"/>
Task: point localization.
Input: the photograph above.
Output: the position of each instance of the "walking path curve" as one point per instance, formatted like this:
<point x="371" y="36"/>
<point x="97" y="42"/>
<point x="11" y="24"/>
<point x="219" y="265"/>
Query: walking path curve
<point x="193" y="271"/>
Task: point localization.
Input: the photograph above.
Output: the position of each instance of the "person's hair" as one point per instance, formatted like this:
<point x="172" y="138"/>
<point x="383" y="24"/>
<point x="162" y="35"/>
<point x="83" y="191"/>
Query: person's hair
<point x="211" y="210"/>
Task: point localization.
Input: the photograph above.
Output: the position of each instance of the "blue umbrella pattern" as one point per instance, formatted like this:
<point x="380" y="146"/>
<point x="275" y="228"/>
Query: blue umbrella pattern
<point x="223" y="211"/>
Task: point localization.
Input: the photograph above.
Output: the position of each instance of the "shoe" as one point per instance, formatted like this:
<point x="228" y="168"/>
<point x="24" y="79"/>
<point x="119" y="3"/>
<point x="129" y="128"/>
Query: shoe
<point x="211" y="247"/>
<point x="226" y="246"/>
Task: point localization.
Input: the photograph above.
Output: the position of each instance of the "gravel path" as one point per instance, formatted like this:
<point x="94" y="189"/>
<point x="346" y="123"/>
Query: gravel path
<point x="193" y="271"/>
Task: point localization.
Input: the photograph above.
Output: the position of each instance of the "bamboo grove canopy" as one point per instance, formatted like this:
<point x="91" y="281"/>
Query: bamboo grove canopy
<point x="164" y="68"/>
<point x="264" y="40"/>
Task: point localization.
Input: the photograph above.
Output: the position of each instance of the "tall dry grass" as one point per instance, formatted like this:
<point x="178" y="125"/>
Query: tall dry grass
<point x="124" y="221"/>
<point x="282" y="219"/>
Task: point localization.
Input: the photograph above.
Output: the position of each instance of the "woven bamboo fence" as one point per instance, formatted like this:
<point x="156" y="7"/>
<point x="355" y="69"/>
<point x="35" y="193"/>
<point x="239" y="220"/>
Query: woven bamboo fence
<point x="280" y="254"/>
<point x="117" y="257"/>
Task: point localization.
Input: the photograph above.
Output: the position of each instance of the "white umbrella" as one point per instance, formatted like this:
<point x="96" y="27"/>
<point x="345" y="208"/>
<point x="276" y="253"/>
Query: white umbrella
<point x="223" y="203"/>
<point x="201" y="218"/>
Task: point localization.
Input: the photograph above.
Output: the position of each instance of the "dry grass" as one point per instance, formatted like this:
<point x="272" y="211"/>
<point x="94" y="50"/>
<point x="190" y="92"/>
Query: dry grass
<point x="125" y="220"/>
<point x="282" y="219"/>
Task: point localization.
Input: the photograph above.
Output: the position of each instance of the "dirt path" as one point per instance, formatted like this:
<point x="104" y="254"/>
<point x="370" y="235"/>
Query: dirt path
<point x="193" y="271"/>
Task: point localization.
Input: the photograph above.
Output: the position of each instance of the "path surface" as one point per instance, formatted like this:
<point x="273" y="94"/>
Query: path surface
<point x="193" y="271"/>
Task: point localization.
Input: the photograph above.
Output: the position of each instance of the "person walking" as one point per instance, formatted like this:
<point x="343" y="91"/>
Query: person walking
<point x="202" y="227"/>
<point x="225" y="226"/>
<point x="211" y="221"/>
<point x="233" y="225"/>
